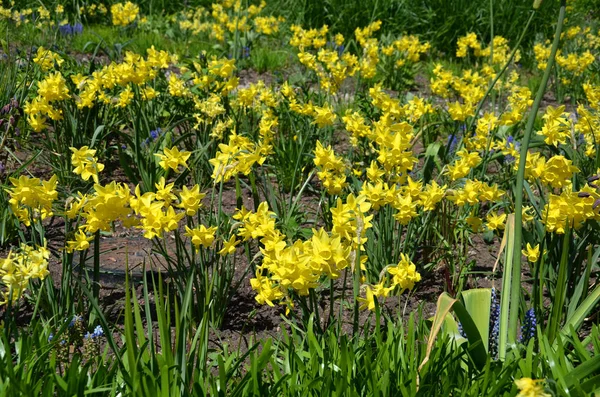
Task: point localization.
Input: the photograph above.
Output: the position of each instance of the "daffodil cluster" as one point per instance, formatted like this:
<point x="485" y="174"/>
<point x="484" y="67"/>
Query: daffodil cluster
<point x="112" y="85"/>
<point x="155" y="212"/>
<point x="501" y="50"/>
<point x="299" y="266"/>
<point x="327" y="58"/>
<point x="124" y="14"/>
<point x="47" y="59"/>
<point x="404" y="276"/>
<point x="406" y="50"/>
<point x="331" y="64"/>
<point x="20" y="267"/>
<point x="32" y="198"/>
<point x="588" y="123"/>
<point x="237" y="156"/>
<point x="332" y="171"/>
<point x="93" y="10"/>
<point x="555" y="172"/>
<point x="40" y="18"/>
<point x="575" y="57"/>
<point x="51" y="91"/>
<point x="227" y="18"/>
<point x="85" y="163"/>
<point x="570" y="209"/>
<point x="44" y="18"/>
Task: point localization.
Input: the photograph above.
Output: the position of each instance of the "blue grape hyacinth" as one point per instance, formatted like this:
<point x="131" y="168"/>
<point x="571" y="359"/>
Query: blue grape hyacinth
<point x="494" y="323"/>
<point x="528" y="327"/>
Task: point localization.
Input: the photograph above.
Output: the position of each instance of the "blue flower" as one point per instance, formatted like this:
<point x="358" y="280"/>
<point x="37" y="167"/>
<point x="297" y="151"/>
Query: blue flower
<point x="155" y="133"/>
<point x="98" y="332"/>
<point x="78" y="28"/>
<point x="494" y="323"/>
<point x="65" y="30"/>
<point x="510" y="139"/>
<point x="452" y="143"/>
<point x="71" y="30"/>
<point x="75" y="320"/>
<point x="528" y="327"/>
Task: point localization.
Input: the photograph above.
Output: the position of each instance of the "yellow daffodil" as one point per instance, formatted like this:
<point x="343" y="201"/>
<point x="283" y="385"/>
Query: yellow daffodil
<point x="173" y="158"/>
<point x="532" y="253"/>
<point x="530" y="388"/>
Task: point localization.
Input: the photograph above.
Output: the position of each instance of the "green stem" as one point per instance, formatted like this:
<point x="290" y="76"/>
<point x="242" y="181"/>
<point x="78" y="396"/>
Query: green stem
<point x="356" y="288"/>
<point x="515" y="288"/>
<point x="220" y="207"/>
<point x="255" y="197"/>
<point x="561" y="289"/>
<point x="96" y="286"/>
<point x="342" y="303"/>
<point x="492" y="33"/>
<point x="315" y="308"/>
<point x="331" y="291"/>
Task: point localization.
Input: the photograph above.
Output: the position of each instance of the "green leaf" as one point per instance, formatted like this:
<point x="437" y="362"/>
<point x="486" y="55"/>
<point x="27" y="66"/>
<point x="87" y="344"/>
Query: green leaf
<point x="507" y="280"/>
<point x="444" y="305"/>
<point x="478" y="303"/>
<point x="582" y="311"/>
<point x="591" y="385"/>
<point x="430" y="158"/>
<point x="97" y="132"/>
<point x="584" y="370"/>
<point x="130" y="343"/>
<point x="476" y="350"/>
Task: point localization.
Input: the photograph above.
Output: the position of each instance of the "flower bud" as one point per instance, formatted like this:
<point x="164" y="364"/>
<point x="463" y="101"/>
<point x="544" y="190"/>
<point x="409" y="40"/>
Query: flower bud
<point x="536" y="4"/>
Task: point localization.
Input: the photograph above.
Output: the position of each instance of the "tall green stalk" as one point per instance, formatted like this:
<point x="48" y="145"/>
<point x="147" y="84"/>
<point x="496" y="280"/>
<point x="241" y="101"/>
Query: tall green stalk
<point x="560" y="293"/>
<point x="96" y="286"/>
<point x="492" y="33"/>
<point x="515" y="289"/>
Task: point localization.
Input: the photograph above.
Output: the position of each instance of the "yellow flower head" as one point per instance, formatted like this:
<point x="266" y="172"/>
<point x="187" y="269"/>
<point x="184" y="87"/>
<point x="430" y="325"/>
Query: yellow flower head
<point x="85" y="163"/>
<point x="532" y="253"/>
<point x="173" y="158"/>
<point x="201" y="236"/>
<point x="191" y="200"/>
<point x="404" y="274"/>
<point x="47" y="59"/>
<point x="124" y="14"/>
<point x="530" y="388"/>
